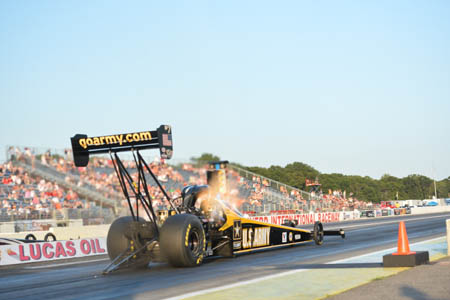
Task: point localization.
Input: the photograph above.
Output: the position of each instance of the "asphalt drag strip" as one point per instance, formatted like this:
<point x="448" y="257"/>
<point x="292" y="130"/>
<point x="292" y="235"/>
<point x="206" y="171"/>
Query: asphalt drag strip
<point x="159" y="281"/>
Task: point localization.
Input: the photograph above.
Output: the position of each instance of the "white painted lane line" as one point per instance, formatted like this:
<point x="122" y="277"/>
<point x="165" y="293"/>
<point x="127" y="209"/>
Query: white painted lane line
<point x="66" y="264"/>
<point x="237" y="284"/>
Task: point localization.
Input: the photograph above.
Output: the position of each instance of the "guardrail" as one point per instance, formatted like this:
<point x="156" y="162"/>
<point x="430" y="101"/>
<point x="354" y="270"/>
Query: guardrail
<point x="273" y="183"/>
<point x="58" y="214"/>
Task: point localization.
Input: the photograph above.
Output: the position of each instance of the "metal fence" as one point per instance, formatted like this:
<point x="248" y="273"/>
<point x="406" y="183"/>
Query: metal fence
<point x="88" y="215"/>
<point x="278" y="196"/>
<point x="275" y="185"/>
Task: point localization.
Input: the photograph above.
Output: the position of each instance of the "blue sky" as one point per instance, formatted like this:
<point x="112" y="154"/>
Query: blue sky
<point x="352" y="87"/>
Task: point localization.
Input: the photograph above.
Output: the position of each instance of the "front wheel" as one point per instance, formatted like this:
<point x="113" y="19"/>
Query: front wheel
<point x="182" y="240"/>
<point x="318" y="233"/>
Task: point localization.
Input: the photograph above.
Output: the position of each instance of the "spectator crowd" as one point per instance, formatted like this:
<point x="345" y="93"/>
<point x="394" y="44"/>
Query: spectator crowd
<point x="31" y="197"/>
<point x="23" y="194"/>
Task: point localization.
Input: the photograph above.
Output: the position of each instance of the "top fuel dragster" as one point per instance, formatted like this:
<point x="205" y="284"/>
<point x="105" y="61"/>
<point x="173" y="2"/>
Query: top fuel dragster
<point x="200" y="223"/>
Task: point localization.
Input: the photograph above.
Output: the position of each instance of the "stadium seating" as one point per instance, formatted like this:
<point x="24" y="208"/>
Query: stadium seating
<point x="27" y="196"/>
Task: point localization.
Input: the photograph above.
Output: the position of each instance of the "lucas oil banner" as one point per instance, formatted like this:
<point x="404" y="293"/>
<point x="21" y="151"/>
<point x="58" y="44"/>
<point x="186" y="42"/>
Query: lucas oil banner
<point x="46" y="251"/>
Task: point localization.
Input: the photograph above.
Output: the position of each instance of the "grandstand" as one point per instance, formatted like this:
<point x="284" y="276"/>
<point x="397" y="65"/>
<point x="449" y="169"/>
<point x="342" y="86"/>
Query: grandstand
<point x="36" y="184"/>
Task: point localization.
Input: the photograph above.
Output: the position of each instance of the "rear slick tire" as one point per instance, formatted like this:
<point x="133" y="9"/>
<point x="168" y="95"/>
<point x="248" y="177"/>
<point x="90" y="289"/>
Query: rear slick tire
<point x="117" y="241"/>
<point x="182" y="240"/>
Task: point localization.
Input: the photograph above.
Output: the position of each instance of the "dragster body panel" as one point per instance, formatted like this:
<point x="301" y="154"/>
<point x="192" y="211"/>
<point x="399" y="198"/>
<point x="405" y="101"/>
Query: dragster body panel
<point x="249" y="235"/>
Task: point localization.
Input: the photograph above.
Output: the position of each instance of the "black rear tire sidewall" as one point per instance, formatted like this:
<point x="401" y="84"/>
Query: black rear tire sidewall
<point x="117" y="242"/>
<point x="182" y="240"/>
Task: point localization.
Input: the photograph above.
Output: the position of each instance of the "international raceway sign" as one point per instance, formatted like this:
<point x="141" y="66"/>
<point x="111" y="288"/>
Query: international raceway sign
<point x="46" y="251"/>
<point x="304" y="219"/>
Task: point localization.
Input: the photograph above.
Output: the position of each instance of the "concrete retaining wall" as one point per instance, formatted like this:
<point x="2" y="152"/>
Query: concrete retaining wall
<point x="429" y="209"/>
<point x="66" y="233"/>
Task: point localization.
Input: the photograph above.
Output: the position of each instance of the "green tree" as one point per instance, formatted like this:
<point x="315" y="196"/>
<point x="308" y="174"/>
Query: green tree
<point x="293" y="174"/>
<point x="364" y="188"/>
<point x="389" y="187"/>
<point x="417" y="186"/>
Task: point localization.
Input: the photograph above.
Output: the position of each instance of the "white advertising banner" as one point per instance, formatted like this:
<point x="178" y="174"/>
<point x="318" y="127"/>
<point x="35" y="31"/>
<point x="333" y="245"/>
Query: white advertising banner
<point x="46" y="251"/>
<point x="304" y="219"/>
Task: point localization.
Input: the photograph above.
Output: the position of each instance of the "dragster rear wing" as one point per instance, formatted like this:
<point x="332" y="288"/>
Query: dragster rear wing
<point x="83" y="146"/>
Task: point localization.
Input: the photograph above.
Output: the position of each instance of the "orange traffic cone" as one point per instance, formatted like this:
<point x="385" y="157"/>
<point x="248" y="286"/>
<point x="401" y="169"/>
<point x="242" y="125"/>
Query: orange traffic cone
<point x="403" y="243"/>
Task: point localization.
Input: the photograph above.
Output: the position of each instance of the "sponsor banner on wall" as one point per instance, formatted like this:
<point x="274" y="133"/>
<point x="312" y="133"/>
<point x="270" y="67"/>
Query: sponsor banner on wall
<point x="370" y="213"/>
<point x="304" y="219"/>
<point x="46" y="251"/>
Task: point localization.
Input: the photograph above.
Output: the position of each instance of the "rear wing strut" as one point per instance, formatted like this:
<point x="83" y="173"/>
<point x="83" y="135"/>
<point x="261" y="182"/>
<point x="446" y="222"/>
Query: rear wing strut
<point x="132" y="188"/>
<point x="83" y="146"/>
